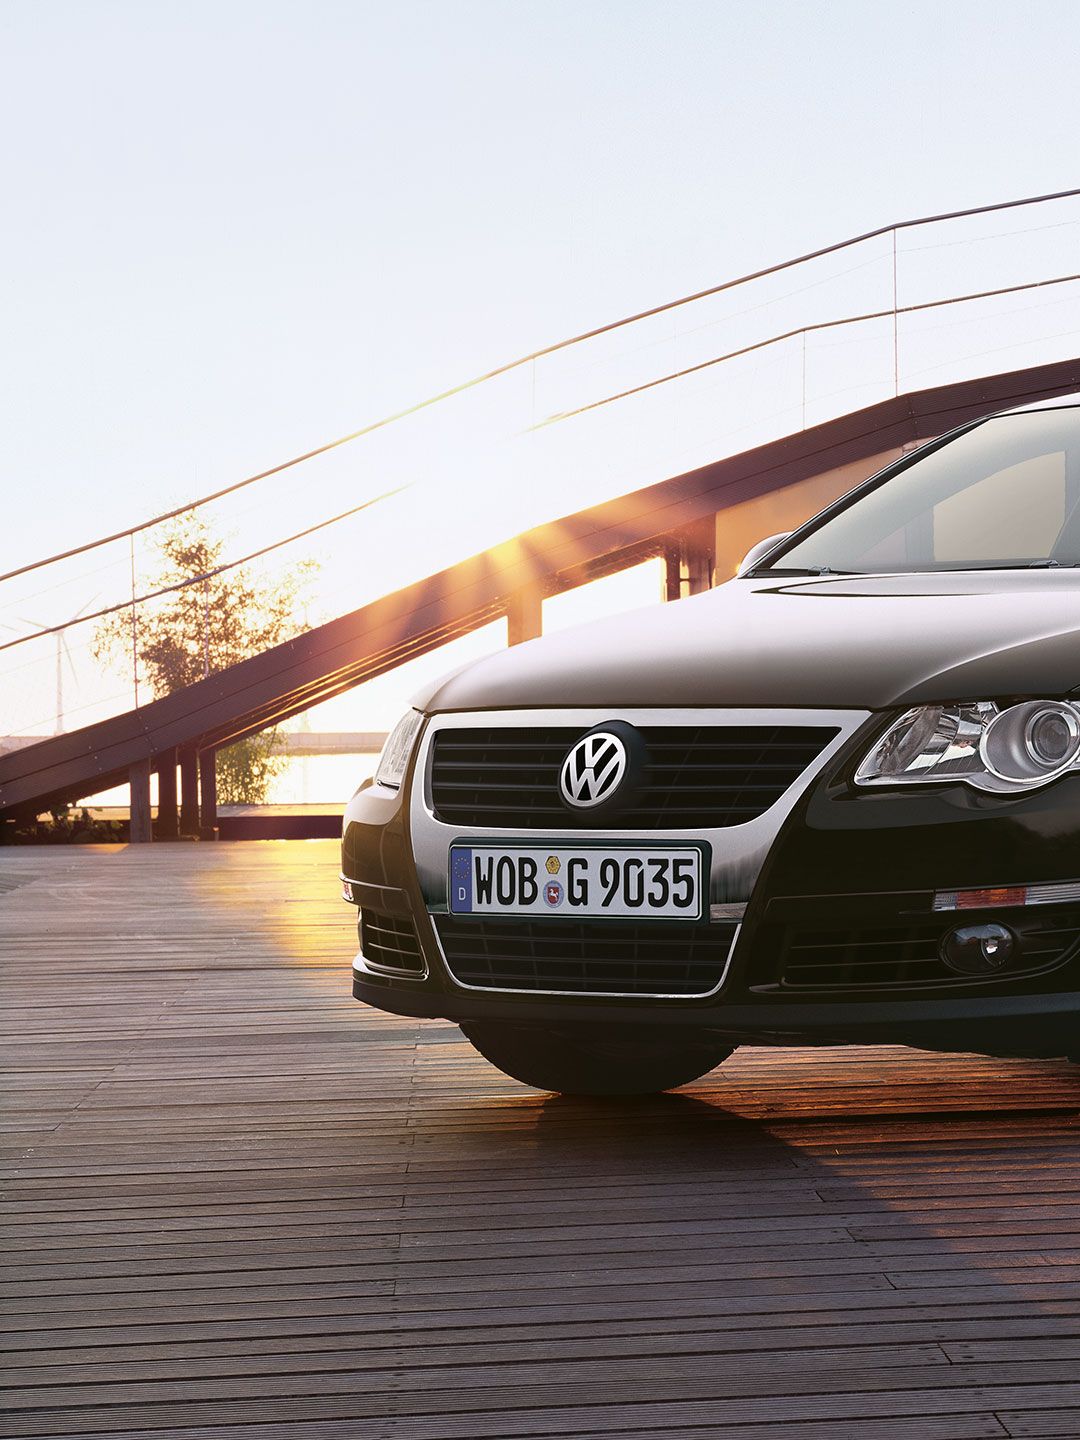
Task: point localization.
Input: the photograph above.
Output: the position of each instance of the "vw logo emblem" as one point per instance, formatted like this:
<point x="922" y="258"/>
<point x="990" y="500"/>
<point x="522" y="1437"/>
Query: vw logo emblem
<point x="593" y="770"/>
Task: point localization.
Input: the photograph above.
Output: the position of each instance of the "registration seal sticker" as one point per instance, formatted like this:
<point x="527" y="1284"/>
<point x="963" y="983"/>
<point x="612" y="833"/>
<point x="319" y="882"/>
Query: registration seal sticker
<point x="553" y="893"/>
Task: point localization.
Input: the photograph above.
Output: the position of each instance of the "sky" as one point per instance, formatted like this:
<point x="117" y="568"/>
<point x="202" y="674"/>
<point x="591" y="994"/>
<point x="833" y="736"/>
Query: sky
<point x="233" y="230"/>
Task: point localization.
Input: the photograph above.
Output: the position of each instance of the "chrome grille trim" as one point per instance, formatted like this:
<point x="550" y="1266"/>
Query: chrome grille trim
<point x="738" y="851"/>
<point x="383" y="936"/>
<point x="592" y="994"/>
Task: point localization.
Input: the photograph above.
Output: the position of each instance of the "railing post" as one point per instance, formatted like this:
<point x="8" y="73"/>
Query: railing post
<point x="167" y="816"/>
<point x="189" y="790"/>
<point x="134" y="626"/>
<point x="895" y="322"/>
<point x="139" y="831"/>
<point x="208" y="829"/>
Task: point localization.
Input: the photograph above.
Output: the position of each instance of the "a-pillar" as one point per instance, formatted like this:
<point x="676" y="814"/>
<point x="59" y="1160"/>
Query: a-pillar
<point x="168" y="818"/>
<point x="139" y="832"/>
<point x="525" y="615"/>
<point x="189" y="791"/>
<point x="208" y="794"/>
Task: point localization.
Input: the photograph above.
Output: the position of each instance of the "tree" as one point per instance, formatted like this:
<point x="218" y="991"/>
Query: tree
<point x="214" y="621"/>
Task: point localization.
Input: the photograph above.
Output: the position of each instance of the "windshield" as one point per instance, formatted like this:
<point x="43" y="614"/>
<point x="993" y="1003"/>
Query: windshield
<point x="1003" y="495"/>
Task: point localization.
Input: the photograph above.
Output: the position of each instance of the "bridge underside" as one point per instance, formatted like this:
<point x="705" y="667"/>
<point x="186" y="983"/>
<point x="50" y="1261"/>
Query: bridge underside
<point x="701" y="522"/>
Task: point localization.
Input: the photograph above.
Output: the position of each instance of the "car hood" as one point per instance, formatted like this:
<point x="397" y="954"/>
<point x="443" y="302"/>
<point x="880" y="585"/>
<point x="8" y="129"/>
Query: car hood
<point x="866" y="642"/>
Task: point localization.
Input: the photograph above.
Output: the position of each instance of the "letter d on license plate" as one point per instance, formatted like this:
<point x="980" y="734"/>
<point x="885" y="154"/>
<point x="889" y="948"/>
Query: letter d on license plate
<point x="583" y="882"/>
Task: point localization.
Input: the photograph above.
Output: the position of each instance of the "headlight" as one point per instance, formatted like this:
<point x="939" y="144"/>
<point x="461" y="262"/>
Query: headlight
<point x="995" y="748"/>
<point x="394" y="759"/>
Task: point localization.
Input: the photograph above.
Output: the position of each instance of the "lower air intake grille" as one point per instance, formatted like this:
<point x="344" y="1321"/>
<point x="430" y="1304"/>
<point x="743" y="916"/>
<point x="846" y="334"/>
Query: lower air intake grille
<point x="390" y="942"/>
<point x="904" y="955"/>
<point x="586" y="958"/>
<point x="697" y="775"/>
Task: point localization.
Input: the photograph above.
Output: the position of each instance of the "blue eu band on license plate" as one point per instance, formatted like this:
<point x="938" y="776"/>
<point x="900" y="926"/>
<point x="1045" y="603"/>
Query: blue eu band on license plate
<point x="582" y="882"/>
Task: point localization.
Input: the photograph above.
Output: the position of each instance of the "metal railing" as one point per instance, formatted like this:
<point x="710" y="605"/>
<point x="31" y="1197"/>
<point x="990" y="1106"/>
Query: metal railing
<point x="907" y="305"/>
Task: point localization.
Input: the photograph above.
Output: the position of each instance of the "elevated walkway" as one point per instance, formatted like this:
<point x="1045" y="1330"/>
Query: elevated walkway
<point x="700" y="522"/>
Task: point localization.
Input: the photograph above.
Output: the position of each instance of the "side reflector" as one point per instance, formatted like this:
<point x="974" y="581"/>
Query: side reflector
<point x="997" y="896"/>
<point x="994" y="897"/>
<point x="991" y="898"/>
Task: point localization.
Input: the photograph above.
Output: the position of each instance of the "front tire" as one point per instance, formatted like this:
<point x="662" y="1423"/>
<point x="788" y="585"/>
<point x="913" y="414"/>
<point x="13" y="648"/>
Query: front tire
<point x="594" y="1060"/>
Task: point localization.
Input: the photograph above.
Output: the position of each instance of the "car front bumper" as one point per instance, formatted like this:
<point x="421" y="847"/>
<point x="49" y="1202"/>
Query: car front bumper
<point x="828" y="870"/>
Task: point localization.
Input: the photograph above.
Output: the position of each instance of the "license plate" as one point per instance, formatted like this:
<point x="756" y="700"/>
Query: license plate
<point x="577" y="882"/>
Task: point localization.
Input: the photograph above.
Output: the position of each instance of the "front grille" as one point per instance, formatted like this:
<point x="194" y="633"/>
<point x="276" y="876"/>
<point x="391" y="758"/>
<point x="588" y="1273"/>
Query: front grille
<point x="391" y="942"/>
<point x="904" y="955"/>
<point x="697" y="776"/>
<point x="607" y="957"/>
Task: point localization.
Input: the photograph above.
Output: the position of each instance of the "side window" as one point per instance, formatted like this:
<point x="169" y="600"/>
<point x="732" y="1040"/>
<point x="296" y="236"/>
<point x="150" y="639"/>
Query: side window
<point x="1014" y="514"/>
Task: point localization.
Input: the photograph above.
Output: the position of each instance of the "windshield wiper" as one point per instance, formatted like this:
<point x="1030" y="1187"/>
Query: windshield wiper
<point x="1019" y="565"/>
<point x="810" y="570"/>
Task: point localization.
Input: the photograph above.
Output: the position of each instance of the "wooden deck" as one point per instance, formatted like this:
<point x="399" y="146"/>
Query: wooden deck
<point x="243" y="1207"/>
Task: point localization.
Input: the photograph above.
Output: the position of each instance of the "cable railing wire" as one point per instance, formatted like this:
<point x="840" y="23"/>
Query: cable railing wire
<point x="812" y="328"/>
<point x="804" y="330"/>
<point x="533" y="356"/>
<point x="134" y="600"/>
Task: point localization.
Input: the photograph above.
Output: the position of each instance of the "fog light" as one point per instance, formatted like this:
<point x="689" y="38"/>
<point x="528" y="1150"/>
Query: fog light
<point x="978" y="949"/>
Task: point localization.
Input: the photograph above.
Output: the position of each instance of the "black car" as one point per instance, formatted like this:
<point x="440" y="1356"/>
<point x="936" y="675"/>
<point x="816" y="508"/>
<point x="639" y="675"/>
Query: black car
<point x="836" y="799"/>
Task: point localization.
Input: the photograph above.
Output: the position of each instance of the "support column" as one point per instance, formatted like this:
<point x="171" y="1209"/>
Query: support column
<point x="189" y="791"/>
<point x="688" y="563"/>
<point x="208" y="829"/>
<point x="139" y="832"/>
<point x="168" y="819"/>
<point x="699" y="548"/>
<point x="524" y="615"/>
<point x="672" y="572"/>
<point x="699" y="570"/>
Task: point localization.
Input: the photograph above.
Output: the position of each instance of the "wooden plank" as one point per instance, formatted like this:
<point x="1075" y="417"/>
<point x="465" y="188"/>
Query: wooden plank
<point x="1042" y="1422"/>
<point x="236" y="1199"/>
<point x="946" y="1427"/>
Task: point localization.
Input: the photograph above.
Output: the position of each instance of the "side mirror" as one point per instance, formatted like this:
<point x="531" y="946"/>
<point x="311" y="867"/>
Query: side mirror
<point x="760" y="550"/>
